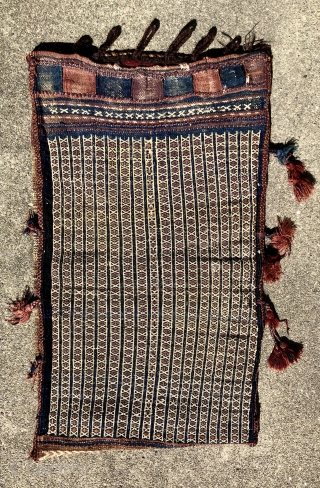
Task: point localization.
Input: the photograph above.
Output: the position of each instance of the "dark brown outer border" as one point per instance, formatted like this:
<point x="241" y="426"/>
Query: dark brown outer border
<point x="156" y="70"/>
<point x="60" y="444"/>
<point x="41" y="444"/>
<point x="260" y="237"/>
<point x="38" y="185"/>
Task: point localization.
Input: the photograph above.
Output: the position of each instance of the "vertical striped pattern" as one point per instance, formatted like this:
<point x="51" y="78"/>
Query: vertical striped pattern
<point x="78" y="271"/>
<point x="115" y="303"/>
<point x="142" y="316"/>
<point x="57" y="256"/>
<point x="90" y="290"/>
<point x="66" y="288"/>
<point x="154" y="328"/>
<point x="102" y="290"/>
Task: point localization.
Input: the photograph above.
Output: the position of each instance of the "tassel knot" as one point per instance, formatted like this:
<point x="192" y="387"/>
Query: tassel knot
<point x="301" y="180"/>
<point x="282" y="151"/>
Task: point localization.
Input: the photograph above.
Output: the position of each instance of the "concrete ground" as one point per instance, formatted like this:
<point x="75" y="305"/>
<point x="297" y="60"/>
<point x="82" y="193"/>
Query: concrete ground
<point x="287" y="454"/>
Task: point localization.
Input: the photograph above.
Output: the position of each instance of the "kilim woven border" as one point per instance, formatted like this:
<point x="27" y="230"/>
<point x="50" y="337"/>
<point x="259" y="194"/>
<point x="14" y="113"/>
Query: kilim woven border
<point x="150" y="176"/>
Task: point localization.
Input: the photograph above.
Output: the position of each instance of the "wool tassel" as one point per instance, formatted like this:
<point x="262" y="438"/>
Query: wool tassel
<point x="302" y="181"/>
<point x="277" y="360"/>
<point x="113" y="35"/>
<point x="285" y="352"/>
<point x="204" y="43"/>
<point x="84" y="46"/>
<point x="146" y="38"/>
<point x="279" y="247"/>
<point x="271" y="269"/>
<point x="185" y="34"/>
<point x="22" y="308"/>
<point x="282" y="235"/>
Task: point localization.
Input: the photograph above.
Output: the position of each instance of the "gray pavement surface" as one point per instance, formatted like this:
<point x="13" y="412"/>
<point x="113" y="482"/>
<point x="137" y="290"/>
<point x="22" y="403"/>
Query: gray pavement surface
<point x="287" y="454"/>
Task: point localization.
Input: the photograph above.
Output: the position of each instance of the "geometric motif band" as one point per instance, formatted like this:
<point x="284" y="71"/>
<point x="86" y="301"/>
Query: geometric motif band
<point x="150" y="235"/>
<point x="95" y="111"/>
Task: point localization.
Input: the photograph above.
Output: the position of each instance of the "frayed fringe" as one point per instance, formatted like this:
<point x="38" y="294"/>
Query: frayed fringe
<point x="302" y="181"/>
<point x="34" y="369"/>
<point x="38" y="455"/>
<point x="32" y="223"/>
<point x="22" y="308"/>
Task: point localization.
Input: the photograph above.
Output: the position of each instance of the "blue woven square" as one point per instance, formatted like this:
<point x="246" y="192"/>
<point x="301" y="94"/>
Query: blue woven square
<point x="174" y="86"/>
<point x="49" y="79"/>
<point x="114" y="87"/>
<point x="232" y="76"/>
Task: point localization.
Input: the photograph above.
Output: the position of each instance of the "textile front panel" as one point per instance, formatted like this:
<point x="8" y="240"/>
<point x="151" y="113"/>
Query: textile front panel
<point x="151" y="318"/>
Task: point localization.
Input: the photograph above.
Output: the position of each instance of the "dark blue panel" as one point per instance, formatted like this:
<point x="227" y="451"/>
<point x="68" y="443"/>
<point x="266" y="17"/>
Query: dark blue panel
<point x="49" y="79"/>
<point x="232" y="76"/>
<point x="114" y="87"/>
<point x="174" y="86"/>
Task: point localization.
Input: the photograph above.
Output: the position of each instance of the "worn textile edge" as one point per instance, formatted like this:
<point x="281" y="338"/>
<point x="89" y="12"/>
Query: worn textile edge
<point x="261" y="203"/>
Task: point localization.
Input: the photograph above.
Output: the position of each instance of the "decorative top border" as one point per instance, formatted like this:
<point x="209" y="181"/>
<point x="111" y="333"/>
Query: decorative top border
<point x="62" y="75"/>
<point x="138" y="57"/>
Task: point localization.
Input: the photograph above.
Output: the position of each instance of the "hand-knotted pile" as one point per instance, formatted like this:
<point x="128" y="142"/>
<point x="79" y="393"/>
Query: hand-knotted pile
<point x="151" y="183"/>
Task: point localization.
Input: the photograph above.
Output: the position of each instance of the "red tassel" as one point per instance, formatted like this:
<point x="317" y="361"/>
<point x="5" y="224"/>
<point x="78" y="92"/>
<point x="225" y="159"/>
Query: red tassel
<point x="299" y="178"/>
<point x="271" y="270"/>
<point x="282" y="237"/>
<point x="277" y="359"/>
<point x="285" y="352"/>
<point x="22" y="309"/>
